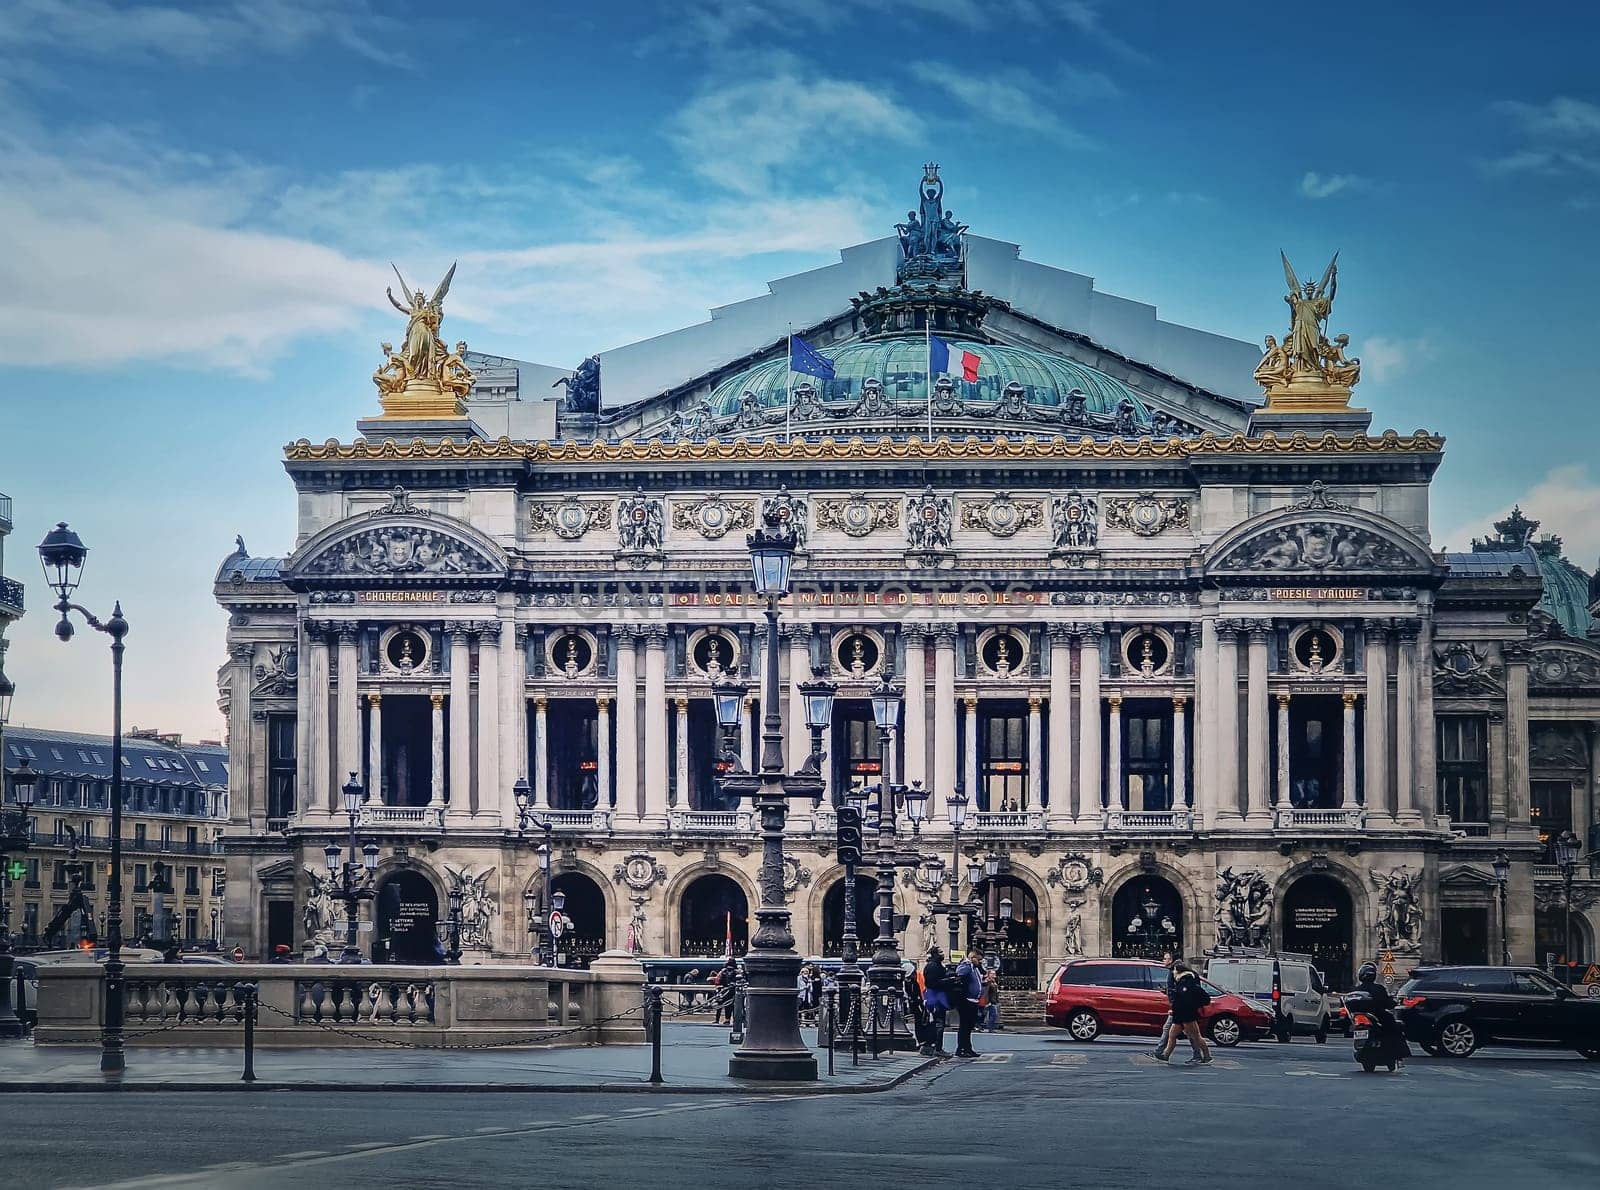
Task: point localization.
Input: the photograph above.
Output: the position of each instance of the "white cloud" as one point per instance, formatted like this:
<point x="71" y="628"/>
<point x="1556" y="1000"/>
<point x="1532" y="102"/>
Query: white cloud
<point x="1014" y="102"/>
<point x="740" y="135"/>
<point x="1084" y="16"/>
<point x="1560" y="139"/>
<point x="216" y="29"/>
<point x="1546" y="162"/>
<point x="1384" y="358"/>
<point x="1315" y="185"/>
<point x="1566" y="502"/>
<point x="1561" y="118"/>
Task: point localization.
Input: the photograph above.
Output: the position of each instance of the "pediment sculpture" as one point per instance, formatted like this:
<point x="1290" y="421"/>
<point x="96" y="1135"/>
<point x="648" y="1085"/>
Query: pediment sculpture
<point x="1558" y="666"/>
<point x="401" y="551"/>
<point x="1314" y="547"/>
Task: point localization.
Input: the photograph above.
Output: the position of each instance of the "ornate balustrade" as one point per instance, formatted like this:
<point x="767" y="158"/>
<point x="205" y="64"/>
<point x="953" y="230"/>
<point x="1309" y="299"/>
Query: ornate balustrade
<point x="580" y="820"/>
<point x="421" y="819"/>
<point x="1341" y="819"/>
<point x="1150" y="821"/>
<point x="993" y="821"/>
<point x="306" y="1004"/>
<point x="693" y="822"/>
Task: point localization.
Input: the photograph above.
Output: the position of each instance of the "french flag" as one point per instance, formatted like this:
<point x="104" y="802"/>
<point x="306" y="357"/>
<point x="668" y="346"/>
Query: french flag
<point x="944" y="357"/>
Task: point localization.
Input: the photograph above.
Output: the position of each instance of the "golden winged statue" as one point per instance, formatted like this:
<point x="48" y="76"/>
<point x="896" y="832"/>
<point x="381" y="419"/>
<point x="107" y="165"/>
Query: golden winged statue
<point x="1306" y="364"/>
<point x="432" y="379"/>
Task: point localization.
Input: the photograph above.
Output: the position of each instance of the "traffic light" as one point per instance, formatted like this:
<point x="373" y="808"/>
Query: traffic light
<point x="849" y="835"/>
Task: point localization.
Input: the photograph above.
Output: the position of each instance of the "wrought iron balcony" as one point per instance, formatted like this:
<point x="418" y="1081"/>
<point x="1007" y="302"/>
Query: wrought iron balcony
<point x="420" y="819"/>
<point x="701" y="822"/>
<point x="1150" y="822"/>
<point x="10" y="598"/>
<point x="1341" y="819"/>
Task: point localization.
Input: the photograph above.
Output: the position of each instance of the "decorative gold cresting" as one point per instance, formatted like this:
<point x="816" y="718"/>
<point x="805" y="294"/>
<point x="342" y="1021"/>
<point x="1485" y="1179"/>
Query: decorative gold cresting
<point x="827" y="450"/>
<point x="1306" y="373"/>
<point x="424" y="379"/>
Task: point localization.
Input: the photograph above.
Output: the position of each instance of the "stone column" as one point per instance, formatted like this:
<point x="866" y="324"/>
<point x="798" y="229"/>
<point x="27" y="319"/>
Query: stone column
<point x="1035" y="753"/>
<point x="680" y="752"/>
<point x="655" y="726"/>
<point x="602" y="751"/>
<point x="628" y="807"/>
<point x="1257" y="777"/>
<point x="1350" y="802"/>
<point x="1376" y="744"/>
<point x="488" y="775"/>
<point x="916" y="708"/>
<point x="1405" y="696"/>
<point x="1227" y="722"/>
<point x="796" y="737"/>
<point x="1114" y="799"/>
<point x="1180" y="753"/>
<point x="1206" y="801"/>
<point x="375" y="748"/>
<point x="436" y="769"/>
<point x="971" y="704"/>
<point x="303" y="801"/>
<point x="519" y="708"/>
<point x="513" y="713"/>
<point x="747" y="737"/>
<point x="240" y="750"/>
<point x="324" y="792"/>
<point x="349" y="705"/>
<point x="1060" y="817"/>
<point x="1283" y="752"/>
<point x="1519" y="795"/>
<point x="944" y="715"/>
<point x="1090" y="810"/>
<point x="541" y="747"/>
<point x="1425" y="741"/>
<point x="460" y="786"/>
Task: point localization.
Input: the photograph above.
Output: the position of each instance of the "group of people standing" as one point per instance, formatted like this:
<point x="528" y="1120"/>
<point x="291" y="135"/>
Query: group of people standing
<point x="964" y="986"/>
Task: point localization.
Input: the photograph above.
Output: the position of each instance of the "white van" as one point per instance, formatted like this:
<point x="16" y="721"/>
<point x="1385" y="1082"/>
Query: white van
<point x="1307" y="1006"/>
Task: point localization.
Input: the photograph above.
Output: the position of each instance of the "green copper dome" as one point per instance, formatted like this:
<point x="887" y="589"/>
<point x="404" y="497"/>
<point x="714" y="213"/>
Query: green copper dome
<point x="900" y="365"/>
<point x="1566" y="592"/>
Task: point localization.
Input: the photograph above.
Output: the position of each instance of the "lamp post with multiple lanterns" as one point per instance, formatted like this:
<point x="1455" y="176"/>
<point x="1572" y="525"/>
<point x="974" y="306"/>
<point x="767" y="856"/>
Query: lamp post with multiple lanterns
<point x="544" y="907"/>
<point x="355" y="877"/>
<point x="1502" y="875"/>
<point x="1567" y="846"/>
<point x="773" y="1048"/>
<point x="62" y="553"/>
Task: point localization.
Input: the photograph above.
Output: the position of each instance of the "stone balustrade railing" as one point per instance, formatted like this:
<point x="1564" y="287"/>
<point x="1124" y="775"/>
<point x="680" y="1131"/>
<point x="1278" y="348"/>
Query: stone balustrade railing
<point x="579" y="820"/>
<point x="310" y="1004"/>
<point x="710" y="821"/>
<point x="1008" y="820"/>
<point x="389" y="818"/>
<point x="1341" y="819"/>
<point x="1149" y="821"/>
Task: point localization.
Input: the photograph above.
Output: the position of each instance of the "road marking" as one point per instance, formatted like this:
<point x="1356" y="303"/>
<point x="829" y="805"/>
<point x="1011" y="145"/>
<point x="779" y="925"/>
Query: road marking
<point x="586" y="1119"/>
<point x="424" y="1136"/>
<point x="369" y="1144"/>
<point x="998" y="1059"/>
<point x="495" y="1128"/>
<point x="307" y="1153"/>
<point x="1314" y="1074"/>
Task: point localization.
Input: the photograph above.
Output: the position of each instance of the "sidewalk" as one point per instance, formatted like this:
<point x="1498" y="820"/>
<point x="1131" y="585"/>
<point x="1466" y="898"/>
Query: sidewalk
<point x="694" y="1060"/>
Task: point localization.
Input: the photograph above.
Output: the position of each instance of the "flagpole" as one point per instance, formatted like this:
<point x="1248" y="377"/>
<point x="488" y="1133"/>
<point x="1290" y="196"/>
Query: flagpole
<point x="927" y="330"/>
<point x="788" y="391"/>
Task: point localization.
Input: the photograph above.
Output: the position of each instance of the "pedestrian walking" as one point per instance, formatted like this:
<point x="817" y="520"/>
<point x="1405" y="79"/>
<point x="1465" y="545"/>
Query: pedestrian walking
<point x="725" y="980"/>
<point x="1167" y="960"/>
<point x="689" y="992"/>
<point x="1189" y="996"/>
<point x="969" y="991"/>
<point x="935" y="1002"/>
<point x="911" y="984"/>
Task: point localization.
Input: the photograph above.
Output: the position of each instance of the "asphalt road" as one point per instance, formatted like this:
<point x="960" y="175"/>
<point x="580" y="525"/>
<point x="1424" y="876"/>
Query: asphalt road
<point x="1035" y="1110"/>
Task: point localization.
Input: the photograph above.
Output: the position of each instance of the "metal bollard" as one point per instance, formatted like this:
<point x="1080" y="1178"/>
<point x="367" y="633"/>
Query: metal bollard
<point x="652" y="1024"/>
<point x="876" y="1051"/>
<point x="855" y="1027"/>
<point x="891" y="1001"/>
<point x="736" y="1030"/>
<point x="247" y="995"/>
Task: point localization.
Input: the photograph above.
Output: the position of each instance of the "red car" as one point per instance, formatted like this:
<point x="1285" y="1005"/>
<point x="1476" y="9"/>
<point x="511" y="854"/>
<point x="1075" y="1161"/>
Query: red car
<point x="1089" y="997"/>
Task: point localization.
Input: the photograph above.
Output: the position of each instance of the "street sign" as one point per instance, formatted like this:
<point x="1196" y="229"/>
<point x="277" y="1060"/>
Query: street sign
<point x="558" y="923"/>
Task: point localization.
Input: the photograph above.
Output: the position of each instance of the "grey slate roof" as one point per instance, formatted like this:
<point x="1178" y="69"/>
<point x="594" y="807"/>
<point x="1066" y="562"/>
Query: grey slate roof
<point x="86" y="757"/>
<point x="1493" y="564"/>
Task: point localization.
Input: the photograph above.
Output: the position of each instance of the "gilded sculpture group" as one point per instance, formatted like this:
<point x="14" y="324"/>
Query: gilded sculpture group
<point x="423" y="361"/>
<point x="1306" y="354"/>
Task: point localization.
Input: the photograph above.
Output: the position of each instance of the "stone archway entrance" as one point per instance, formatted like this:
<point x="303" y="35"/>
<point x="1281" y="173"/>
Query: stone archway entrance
<point x="1018" y="937"/>
<point x="1146" y="918"/>
<point x="406" y="919"/>
<point x="713" y="906"/>
<point x="585" y="912"/>
<point x="1319" y="920"/>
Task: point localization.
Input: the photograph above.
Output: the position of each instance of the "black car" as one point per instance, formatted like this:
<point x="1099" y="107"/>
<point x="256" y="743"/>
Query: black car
<point x="1451" y="1011"/>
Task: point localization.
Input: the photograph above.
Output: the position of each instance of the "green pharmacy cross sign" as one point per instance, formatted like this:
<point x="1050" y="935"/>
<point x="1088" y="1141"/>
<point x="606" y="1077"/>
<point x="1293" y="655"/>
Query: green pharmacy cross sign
<point x="15" y="870"/>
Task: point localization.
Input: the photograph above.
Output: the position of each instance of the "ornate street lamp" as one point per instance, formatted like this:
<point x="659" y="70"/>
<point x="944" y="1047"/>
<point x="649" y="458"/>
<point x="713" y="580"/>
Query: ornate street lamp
<point x="62" y="554"/>
<point x="14" y="837"/>
<point x="1567" y="845"/>
<point x="885" y="969"/>
<point x="817" y="695"/>
<point x="538" y="910"/>
<point x="955" y="909"/>
<point x="773" y="1048"/>
<point x="455" y="899"/>
<point x="1502" y="875"/>
<point x="355" y="877"/>
<point x="727" y="696"/>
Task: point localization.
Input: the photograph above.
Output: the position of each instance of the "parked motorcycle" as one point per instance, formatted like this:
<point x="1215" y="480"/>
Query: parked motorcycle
<point x="1376" y="1044"/>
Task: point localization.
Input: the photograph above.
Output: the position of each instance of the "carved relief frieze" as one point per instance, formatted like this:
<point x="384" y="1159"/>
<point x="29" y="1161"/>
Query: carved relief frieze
<point x="1147" y="514"/>
<point x="928" y="522"/>
<point x="1314" y="547"/>
<point x="1074" y="522"/>
<point x="1001" y="516"/>
<point x="1461" y="669"/>
<point x="713" y="517"/>
<point x="858" y="515"/>
<point x="639" y="523"/>
<point x="401" y="551"/>
<point x="568" y="518"/>
<point x="791" y="511"/>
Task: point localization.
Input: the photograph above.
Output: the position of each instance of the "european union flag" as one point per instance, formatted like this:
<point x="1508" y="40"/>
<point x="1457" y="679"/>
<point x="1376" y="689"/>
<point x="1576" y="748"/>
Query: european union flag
<point x="805" y="358"/>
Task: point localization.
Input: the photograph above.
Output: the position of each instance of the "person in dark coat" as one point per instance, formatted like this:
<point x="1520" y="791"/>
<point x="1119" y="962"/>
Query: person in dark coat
<point x="936" y="1002"/>
<point x="1189" y="996"/>
<point x="968" y="991"/>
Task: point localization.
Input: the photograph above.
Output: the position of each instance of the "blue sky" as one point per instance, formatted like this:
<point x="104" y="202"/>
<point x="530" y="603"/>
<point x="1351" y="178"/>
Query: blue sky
<point x="198" y="204"/>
